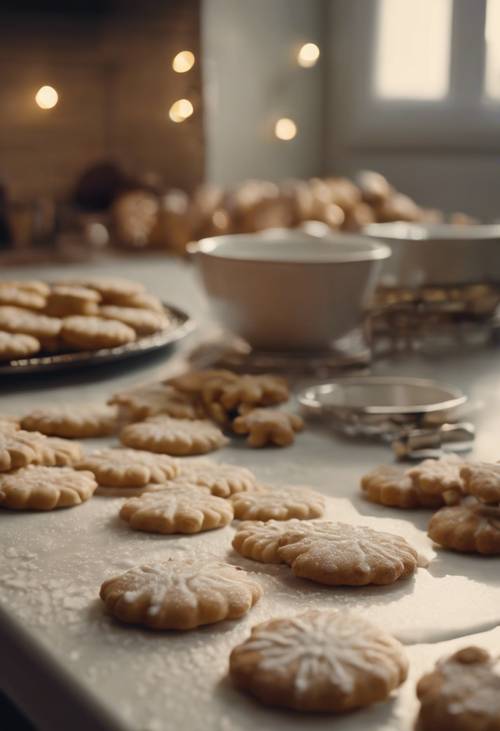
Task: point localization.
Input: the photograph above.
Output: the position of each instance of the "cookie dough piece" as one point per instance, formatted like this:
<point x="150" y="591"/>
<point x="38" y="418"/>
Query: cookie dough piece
<point x="279" y="503"/>
<point x="469" y="527"/>
<point x="67" y="453"/>
<point x="144" y="322"/>
<point x="72" y="421"/>
<point x="177" y="509"/>
<point x="154" y="399"/>
<point x="462" y="693"/>
<point x="128" y="467"/>
<point x="260" y="540"/>
<point x="178" y="437"/>
<point x="93" y="333"/>
<point x="20" y="297"/>
<point x="64" y="300"/>
<point x="45" y="488"/>
<point x="482" y="479"/>
<point x="268" y="426"/>
<point x="19" y="449"/>
<point x="340" y="554"/>
<point x="391" y="486"/>
<point x="14" y="346"/>
<point x="221" y="479"/>
<point x="439" y="477"/>
<point x="180" y="595"/>
<point x="45" y="329"/>
<point x="319" y="661"/>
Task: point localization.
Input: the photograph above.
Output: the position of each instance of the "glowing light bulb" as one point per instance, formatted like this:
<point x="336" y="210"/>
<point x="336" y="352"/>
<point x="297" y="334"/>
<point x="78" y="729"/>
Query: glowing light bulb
<point x="183" y="61"/>
<point x="285" y="129"/>
<point x="180" y="110"/>
<point x="308" y="55"/>
<point x="46" y="97"/>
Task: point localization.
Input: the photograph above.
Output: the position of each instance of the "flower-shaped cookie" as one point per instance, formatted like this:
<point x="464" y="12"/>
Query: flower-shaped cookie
<point x="45" y="488"/>
<point x="177" y="437"/>
<point x="268" y="426"/>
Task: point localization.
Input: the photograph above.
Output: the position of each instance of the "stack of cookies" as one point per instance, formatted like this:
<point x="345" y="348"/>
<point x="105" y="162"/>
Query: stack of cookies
<point x="81" y="314"/>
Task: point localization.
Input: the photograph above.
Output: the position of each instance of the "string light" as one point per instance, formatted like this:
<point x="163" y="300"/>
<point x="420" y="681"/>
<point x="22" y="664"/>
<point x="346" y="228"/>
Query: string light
<point x="180" y="110"/>
<point x="46" y="97"/>
<point x="183" y="61"/>
<point x="285" y="129"/>
<point x="308" y="55"/>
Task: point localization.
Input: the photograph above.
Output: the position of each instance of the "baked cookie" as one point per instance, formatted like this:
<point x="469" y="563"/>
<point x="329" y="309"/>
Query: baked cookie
<point x="462" y="693"/>
<point x="67" y="453"/>
<point x="439" y="477"/>
<point x="9" y="423"/>
<point x="117" y="467"/>
<point x="143" y="301"/>
<point x="177" y="509"/>
<point x="144" y="322"/>
<point x="20" y="297"/>
<point x="178" y="437"/>
<point x="482" y="479"/>
<point x="391" y="486"/>
<point x="19" y="449"/>
<point x="45" y="329"/>
<point x="263" y="390"/>
<point x="278" y="503"/>
<point x="72" y="421"/>
<point x="29" y="285"/>
<point x="194" y="382"/>
<point x="470" y="527"/>
<point x="319" y="661"/>
<point x="14" y="346"/>
<point x="93" y="333"/>
<point x="64" y="300"/>
<point x="45" y="488"/>
<point x="222" y="480"/>
<point x="260" y="540"/>
<point x="113" y="290"/>
<point x="180" y="595"/>
<point x="268" y="426"/>
<point x="154" y="399"/>
<point x="339" y="554"/>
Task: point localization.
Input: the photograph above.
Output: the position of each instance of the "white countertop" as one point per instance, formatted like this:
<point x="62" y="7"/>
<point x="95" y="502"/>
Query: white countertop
<point x="68" y="665"/>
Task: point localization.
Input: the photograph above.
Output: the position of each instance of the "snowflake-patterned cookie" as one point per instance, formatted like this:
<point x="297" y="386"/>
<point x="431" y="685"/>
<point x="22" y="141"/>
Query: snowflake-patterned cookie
<point x="391" y="486"/>
<point x="222" y="480"/>
<point x="154" y="399"/>
<point x="268" y="426"/>
<point x="45" y="488"/>
<point x="72" y="421"/>
<point x="260" y="541"/>
<point x="180" y="595"/>
<point x="279" y="503"/>
<point x="439" y="477"/>
<point x="462" y="693"/>
<point x="177" y="509"/>
<point x="118" y="467"/>
<point x="93" y="333"/>
<point x="341" y="554"/>
<point x="178" y="437"/>
<point x="319" y="661"/>
<point x="470" y="527"/>
<point x="482" y="479"/>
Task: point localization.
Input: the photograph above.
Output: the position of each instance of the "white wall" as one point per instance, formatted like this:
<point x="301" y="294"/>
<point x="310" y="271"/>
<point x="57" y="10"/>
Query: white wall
<point x="251" y="79"/>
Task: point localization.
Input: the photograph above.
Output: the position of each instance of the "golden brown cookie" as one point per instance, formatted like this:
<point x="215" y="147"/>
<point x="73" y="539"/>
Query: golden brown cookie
<point x="113" y="290"/>
<point x="72" y="421"/>
<point x="462" y="693"/>
<point x="143" y="301"/>
<point x="14" y="346"/>
<point x="268" y="426"/>
<point x="180" y="595"/>
<point x="67" y="453"/>
<point x="154" y="399"/>
<point x="193" y="382"/>
<point x="178" y="437"/>
<point x="470" y="527"/>
<point x="339" y="554"/>
<point x="45" y="488"/>
<point x="319" y="661"/>
<point x="29" y="285"/>
<point x="260" y="540"/>
<point x="9" y="423"/>
<point x="177" y="509"/>
<point x="117" y="467"/>
<point x="64" y="300"/>
<point x="391" y="486"/>
<point x="262" y="390"/>
<point x="144" y="322"/>
<point x="278" y="503"/>
<point x="20" y="297"/>
<point x="482" y="479"/>
<point x="222" y="480"/>
<point x="45" y="329"/>
<point x="439" y="477"/>
<point x="18" y="449"/>
<point x="93" y="333"/>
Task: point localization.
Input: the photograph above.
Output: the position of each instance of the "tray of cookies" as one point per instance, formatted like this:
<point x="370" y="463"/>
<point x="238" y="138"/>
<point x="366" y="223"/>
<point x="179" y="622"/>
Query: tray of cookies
<point x="79" y="322"/>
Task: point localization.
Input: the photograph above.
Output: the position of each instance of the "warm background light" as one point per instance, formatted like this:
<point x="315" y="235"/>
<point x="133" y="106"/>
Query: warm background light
<point x="183" y="61"/>
<point x="46" y="97"/>
<point x="285" y="129"/>
<point x="180" y="110"/>
<point x="308" y="55"/>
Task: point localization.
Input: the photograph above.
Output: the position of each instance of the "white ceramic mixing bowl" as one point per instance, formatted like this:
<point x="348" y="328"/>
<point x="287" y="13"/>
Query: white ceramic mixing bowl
<point x="286" y="290"/>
